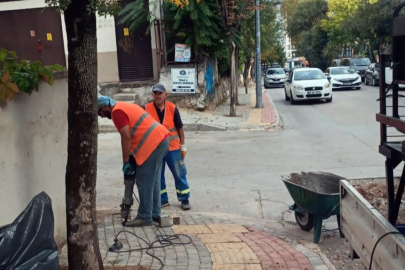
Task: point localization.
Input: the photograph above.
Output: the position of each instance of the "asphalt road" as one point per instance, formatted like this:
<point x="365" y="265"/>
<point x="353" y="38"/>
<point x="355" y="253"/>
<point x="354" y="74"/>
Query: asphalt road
<point x="238" y="173"/>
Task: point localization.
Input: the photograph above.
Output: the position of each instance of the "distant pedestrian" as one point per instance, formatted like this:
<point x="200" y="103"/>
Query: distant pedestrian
<point x="168" y="115"/>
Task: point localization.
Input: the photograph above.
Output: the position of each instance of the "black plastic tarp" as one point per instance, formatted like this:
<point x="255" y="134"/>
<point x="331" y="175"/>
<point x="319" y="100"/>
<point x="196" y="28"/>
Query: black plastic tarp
<point x="28" y="242"/>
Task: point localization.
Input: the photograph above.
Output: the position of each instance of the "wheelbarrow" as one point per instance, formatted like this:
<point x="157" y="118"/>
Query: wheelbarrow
<point x="316" y="197"/>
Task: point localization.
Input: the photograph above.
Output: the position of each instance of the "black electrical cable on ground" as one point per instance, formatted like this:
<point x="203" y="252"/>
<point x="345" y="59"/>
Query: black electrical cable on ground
<point x="164" y="240"/>
<point x="379" y="239"/>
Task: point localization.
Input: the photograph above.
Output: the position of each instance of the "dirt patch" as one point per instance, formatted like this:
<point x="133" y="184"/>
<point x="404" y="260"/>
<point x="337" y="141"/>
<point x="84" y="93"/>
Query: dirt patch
<point x="319" y="182"/>
<point x="376" y="195"/>
<point x="101" y="214"/>
<point x="336" y="250"/>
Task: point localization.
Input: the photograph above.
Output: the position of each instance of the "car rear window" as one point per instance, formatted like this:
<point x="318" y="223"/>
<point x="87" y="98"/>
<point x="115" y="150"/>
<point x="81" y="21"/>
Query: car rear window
<point x="275" y="71"/>
<point x="360" y="61"/>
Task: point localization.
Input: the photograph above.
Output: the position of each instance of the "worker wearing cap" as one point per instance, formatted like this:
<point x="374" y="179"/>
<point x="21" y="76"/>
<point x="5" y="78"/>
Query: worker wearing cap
<point x="168" y="115"/>
<point x="144" y="145"/>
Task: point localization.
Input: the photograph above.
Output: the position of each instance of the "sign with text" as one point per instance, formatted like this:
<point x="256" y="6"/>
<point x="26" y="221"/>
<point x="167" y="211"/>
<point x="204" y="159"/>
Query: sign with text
<point x="183" y="80"/>
<point x="182" y="53"/>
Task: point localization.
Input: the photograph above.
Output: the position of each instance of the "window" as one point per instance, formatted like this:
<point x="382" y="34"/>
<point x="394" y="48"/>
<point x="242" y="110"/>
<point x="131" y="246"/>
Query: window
<point x="275" y="71"/>
<point x="305" y="75"/>
<point x="359" y="61"/>
<point x="342" y="71"/>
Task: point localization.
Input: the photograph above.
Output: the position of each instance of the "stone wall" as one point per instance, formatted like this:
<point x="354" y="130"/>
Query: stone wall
<point x="140" y="92"/>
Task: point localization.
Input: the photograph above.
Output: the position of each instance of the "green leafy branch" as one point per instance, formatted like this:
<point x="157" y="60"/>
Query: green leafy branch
<point x="22" y="75"/>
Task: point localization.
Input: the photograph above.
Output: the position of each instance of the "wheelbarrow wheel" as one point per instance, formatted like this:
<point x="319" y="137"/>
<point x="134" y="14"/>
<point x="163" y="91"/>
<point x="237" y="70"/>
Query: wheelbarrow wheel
<point x="305" y="221"/>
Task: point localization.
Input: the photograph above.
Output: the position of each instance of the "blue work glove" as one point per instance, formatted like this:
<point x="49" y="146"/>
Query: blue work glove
<point x="127" y="169"/>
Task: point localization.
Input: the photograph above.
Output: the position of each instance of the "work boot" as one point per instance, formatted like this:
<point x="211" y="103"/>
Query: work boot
<point x="138" y="222"/>
<point x="164" y="204"/>
<point x="185" y="205"/>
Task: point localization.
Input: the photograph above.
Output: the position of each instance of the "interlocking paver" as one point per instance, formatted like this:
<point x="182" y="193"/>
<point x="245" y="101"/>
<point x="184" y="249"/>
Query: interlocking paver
<point x="227" y="228"/>
<point x="191" y="229"/>
<point x="237" y="253"/>
<point x="217" y="266"/>
<point x="218" y="246"/>
<point x="219" y="238"/>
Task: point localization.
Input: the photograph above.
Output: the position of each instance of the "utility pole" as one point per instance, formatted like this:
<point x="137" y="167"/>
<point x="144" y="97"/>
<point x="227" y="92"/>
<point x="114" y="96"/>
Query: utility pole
<point x="258" y="61"/>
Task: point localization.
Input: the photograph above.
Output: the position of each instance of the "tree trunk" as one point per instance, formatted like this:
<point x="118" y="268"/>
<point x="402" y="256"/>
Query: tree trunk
<point x="252" y="66"/>
<point x="246" y="73"/>
<point x="81" y="169"/>
<point x="233" y="75"/>
<point x="237" y="75"/>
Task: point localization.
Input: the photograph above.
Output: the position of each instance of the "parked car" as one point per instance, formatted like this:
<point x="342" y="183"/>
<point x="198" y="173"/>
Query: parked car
<point x="336" y="62"/>
<point x="307" y="83"/>
<point x="275" y="77"/>
<point x="389" y="76"/>
<point x="343" y="77"/>
<point x="360" y="64"/>
<point x="371" y="75"/>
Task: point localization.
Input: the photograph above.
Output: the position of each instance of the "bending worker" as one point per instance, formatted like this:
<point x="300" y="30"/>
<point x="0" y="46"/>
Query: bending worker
<point x="144" y="145"/>
<point x="167" y="114"/>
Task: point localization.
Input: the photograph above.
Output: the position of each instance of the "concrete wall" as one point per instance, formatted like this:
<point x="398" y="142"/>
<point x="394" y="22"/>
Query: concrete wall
<point x="33" y="147"/>
<point x="106" y="49"/>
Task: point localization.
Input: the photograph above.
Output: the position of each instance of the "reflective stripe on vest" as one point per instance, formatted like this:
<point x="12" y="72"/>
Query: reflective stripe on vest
<point x="138" y="123"/>
<point x="146" y="133"/>
<point x="144" y="137"/>
<point x="168" y="122"/>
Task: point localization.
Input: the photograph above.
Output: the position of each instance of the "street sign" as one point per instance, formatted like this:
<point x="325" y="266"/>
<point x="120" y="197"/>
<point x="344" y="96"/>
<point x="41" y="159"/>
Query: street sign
<point x="182" y="53"/>
<point x="183" y="80"/>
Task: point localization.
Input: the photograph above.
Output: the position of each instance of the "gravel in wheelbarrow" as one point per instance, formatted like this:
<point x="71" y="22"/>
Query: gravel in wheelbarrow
<point x="316" y="197"/>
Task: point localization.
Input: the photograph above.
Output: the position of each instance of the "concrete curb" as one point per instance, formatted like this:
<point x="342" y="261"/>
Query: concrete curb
<point x="278" y="122"/>
<point x="186" y="127"/>
<point x="203" y="127"/>
<point x="318" y="260"/>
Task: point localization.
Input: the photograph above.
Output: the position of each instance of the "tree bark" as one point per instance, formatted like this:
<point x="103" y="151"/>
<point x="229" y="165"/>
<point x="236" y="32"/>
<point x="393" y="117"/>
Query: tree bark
<point x="233" y="75"/>
<point x="81" y="169"/>
<point x="237" y="75"/>
<point x="246" y="73"/>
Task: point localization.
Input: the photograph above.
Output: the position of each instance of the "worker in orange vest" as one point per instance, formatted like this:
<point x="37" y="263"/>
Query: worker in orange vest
<point x="144" y="145"/>
<point x="168" y="115"/>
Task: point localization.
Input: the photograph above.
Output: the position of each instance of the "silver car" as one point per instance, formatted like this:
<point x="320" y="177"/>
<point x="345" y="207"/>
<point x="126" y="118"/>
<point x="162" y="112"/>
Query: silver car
<point x="275" y="77"/>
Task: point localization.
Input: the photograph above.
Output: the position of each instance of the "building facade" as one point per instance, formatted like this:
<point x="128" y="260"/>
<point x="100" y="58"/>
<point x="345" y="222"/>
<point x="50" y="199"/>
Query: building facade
<point x="38" y="33"/>
<point x="282" y="36"/>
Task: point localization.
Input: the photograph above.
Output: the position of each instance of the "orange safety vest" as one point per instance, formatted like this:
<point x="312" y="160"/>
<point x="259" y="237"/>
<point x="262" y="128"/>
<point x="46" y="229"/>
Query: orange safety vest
<point x="146" y="133"/>
<point x="168" y="122"/>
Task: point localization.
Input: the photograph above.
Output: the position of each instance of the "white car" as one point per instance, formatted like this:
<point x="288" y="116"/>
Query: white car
<point x="275" y="77"/>
<point x="306" y="84"/>
<point x="343" y="78"/>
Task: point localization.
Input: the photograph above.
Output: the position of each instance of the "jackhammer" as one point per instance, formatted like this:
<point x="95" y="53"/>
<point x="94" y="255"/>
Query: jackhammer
<point x="127" y="200"/>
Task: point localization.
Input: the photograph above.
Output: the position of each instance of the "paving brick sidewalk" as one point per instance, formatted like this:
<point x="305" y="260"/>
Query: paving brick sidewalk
<point x="217" y="246"/>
